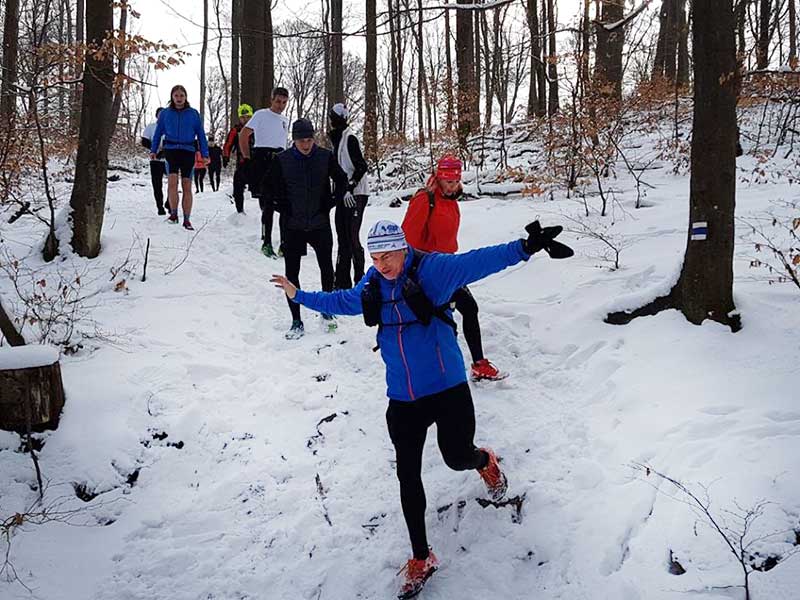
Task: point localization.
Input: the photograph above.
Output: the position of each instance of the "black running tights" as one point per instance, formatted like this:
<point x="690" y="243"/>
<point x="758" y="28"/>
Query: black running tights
<point x="466" y="305"/>
<point x="408" y="422"/>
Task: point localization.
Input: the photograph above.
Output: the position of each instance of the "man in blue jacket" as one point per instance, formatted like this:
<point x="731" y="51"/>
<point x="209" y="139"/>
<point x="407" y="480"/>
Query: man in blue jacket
<point x="407" y="293"/>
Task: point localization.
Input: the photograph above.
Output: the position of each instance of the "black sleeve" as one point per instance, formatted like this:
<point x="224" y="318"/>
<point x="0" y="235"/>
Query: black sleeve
<point x="358" y="162"/>
<point x="338" y="177"/>
<point x="276" y="187"/>
<point x="145" y="142"/>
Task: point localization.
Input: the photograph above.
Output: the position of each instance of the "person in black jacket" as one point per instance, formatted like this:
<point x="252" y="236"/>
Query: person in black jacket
<point x="299" y="187"/>
<point x="215" y="164"/>
<point x="158" y="167"/>
<point x="350" y="210"/>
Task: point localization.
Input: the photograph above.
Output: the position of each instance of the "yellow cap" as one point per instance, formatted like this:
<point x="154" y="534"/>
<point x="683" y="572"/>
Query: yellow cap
<point x="245" y="110"/>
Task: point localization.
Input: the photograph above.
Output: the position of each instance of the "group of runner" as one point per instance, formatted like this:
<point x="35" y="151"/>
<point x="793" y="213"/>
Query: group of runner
<point x="409" y="293"/>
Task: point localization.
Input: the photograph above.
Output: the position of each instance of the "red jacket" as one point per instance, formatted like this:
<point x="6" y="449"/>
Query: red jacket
<point x="232" y="143"/>
<point x="199" y="162"/>
<point x="432" y="230"/>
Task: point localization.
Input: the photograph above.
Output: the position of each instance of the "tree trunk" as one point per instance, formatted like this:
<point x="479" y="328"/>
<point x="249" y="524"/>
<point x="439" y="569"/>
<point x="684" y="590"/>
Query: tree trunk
<point x="585" y="46"/>
<point x="608" y="62"/>
<point x="9" y="331"/>
<point x="420" y="79"/>
<point x="541" y="74"/>
<point x="252" y="52"/>
<point x="119" y="80"/>
<point x="8" y="93"/>
<point x="552" y="68"/>
<point x="371" y="84"/>
<point x="236" y="28"/>
<point x="88" y="198"/>
<point x="336" y="77"/>
<point x="741" y="13"/>
<point x="75" y="109"/>
<point x="532" y="15"/>
<point x="705" y="286"/>
<point x="476" y="108"/>
<point x="465" y="64"/>
<point x="226" y="90"/>
<point x="203" y="53"/>
<point x="393" y="60"/>
<point x="33" y="395"/>
<point x="764" y="31"/>
<point x="683" y="45"/>
<point x="269" y="54"/>
<point x="448" y="82"/>
<point x="792" y="34"/>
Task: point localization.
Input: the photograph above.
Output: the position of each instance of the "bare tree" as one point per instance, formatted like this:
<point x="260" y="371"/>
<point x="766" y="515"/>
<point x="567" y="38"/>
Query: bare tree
<point x="465" y="65"/>
<point x="236" y="27"/>
<point x="608" y="63"/>
<point x="252" y="60"/>
<point x="203" y="53"/>
<point x="269" y="54"/>
<point x="8" y="93"/>
<point x="88" y="198"/>
<point x="552" y="58"/>
<point x="371" y="88"/>
<point x="705" y="286"/>
<point x="792" y="34"/>
<point x="335" y="85"/>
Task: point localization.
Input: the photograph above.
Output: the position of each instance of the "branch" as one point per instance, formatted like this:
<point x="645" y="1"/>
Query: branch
<point x="610" y="27"/>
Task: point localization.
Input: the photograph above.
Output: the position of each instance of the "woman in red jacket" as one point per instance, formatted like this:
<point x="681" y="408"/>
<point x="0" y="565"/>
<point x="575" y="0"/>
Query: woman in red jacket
<point x="431" y="225"/>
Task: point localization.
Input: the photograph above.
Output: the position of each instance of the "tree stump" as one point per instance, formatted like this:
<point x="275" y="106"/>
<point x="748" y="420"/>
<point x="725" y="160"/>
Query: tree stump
<point x="31" y="390"/>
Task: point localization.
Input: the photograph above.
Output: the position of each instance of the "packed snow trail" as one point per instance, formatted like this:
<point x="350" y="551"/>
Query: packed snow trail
<point x="265" y="470"/>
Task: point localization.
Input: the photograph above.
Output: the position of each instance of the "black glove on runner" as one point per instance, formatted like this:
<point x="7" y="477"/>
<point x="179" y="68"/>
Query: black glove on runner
<point x="544" y="239"/>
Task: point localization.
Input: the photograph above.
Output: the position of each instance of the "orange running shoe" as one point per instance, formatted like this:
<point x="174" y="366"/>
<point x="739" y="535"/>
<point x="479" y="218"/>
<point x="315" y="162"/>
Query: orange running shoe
<point x="417" y="572"/>
<point x="483" y="369"/>
<point x="493" y="477"/>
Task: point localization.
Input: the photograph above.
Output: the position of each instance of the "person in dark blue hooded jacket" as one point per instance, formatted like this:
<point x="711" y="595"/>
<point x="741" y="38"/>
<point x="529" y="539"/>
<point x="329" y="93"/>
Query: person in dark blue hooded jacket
<point x="407" y="293"/>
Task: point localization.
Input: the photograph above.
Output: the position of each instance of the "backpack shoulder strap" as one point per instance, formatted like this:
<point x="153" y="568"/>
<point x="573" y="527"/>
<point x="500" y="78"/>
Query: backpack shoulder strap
<point x="439" y="311"/>
<point x="431" y="200"/>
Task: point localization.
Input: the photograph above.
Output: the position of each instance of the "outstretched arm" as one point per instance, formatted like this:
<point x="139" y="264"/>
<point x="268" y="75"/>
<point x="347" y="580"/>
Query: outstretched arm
<point x="341" y="302"/>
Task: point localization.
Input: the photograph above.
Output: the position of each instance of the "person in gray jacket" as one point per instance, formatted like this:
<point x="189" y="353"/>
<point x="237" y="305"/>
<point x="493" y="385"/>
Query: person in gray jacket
<point x="299" y="186"/>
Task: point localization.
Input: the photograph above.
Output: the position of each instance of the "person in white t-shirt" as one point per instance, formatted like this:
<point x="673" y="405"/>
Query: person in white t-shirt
<point x="270" y="130"/>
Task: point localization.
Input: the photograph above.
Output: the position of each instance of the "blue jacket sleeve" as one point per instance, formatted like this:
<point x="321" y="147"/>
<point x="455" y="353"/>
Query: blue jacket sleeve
<point x="442" y="274"/>
<point x="341" y="302"/>
<point x="158" y="133"/>
<point x="201" y="136"/>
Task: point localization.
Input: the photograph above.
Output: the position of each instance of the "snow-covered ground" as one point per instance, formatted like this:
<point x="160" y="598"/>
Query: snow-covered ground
<point x="229" y="463"/>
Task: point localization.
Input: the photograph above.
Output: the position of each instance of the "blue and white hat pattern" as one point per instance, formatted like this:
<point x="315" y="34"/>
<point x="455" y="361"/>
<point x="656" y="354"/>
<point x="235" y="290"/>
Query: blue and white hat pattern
<point x="385" y="236"/>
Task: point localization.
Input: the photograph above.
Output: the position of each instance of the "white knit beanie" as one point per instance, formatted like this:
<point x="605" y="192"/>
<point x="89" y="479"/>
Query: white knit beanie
<point x="386" y="236"/>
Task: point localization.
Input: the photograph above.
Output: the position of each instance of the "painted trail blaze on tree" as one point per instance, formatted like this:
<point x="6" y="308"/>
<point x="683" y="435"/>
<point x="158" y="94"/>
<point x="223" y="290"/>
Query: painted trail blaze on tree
<point x="705" y="287"/>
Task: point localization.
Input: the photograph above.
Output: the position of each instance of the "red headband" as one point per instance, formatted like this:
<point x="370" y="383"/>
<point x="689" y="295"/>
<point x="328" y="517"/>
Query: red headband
<point x="448" y="167"/>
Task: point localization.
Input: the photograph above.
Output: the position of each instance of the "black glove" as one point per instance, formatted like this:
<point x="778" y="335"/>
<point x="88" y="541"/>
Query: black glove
<point x="225" y="160"/>
<point x="544" y="239"/>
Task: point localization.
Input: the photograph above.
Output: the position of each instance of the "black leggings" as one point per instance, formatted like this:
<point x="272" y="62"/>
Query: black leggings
<point x="348" y="225"/>
<point x="213" y="176"/>
<point x="199" y="176"/>
<point x="239" y="182"/>
<point x="157" y="172"/>
<point x="408" y="422"/>
<point x="466" y="305"/>
<point x="321" y="241"/>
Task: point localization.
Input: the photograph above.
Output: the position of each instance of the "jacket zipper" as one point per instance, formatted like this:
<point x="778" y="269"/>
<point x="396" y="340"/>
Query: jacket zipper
<point x="439" y="354"/>
<point x="400" y="343"/>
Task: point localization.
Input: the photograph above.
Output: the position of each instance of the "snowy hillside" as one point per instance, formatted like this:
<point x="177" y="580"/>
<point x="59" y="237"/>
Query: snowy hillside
<point x="217" y="460"/>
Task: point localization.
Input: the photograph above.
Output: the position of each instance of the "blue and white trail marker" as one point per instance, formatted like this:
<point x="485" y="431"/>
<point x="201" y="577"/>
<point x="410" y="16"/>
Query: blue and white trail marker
<point x="699" y="231"/>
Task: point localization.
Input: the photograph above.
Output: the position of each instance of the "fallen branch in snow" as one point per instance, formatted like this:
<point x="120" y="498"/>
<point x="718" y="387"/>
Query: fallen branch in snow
<point x="737" y="537"/>
<point x="186" y="250"/>
<point x="55" y="511"/>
